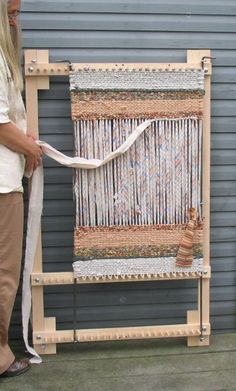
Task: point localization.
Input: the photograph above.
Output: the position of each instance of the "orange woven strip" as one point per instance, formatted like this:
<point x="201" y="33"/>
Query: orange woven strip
<point x="169" y="108"/>
<point x="111" y="237"/>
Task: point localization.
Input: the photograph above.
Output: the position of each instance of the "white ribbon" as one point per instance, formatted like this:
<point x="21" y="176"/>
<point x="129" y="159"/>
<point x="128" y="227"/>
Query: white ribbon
<point x="35" y="212"/>
<point x="78" y="162"/>
<point x="33" y="226"/>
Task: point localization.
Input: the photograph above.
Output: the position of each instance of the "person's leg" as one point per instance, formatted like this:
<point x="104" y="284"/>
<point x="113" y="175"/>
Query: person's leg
<point x="11" y="236"/>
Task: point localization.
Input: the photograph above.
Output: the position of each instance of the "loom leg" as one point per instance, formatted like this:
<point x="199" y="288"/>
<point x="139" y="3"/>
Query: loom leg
<point x="193" y="317"/>
<point x="198" y="341"/>
<point x="45" y="347"/>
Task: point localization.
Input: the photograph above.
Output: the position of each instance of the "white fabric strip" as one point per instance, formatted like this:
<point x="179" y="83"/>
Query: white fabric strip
<point x="33" y="226"/>
<point x="78" y="162"/>
<point x="35" y="212"/>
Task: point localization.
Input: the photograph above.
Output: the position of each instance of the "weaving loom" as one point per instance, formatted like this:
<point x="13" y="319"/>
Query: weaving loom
<point x="142" y="189"/>
<point x="132" y="213"/>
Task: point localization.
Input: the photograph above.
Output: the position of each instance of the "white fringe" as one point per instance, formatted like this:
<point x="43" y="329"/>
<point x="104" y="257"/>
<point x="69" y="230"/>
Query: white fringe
<point x="155" y="182"/>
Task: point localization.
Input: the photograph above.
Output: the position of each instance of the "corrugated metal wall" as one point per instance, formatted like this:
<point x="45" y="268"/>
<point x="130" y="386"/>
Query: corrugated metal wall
<point x="136" y="31"/>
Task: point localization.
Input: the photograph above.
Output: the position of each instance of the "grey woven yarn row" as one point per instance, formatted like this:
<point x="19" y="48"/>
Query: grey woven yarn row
<point x="137" y="80"/>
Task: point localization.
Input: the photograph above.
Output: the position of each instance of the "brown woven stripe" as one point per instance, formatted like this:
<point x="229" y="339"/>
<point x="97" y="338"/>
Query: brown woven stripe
<point x="154" y="240"/>
<point x="128" y="95"/>
<point x="108" y="109"/>
<point x="134" y="252"/>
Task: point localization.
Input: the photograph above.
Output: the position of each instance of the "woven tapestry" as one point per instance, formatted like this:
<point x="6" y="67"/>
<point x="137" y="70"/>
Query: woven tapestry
<point x="146" y="204"/>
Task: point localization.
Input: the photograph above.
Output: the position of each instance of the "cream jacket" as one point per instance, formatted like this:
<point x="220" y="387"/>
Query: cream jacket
<point x="11" y="110"/>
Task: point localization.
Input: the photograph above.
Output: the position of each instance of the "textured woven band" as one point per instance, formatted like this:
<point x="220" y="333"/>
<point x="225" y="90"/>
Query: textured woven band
<point x="147" y="108"/>
<point x="169" y="80"/>
<point x="133" y="267"/>
<point x="99" y="94"/>
<point x="133" y="241"/>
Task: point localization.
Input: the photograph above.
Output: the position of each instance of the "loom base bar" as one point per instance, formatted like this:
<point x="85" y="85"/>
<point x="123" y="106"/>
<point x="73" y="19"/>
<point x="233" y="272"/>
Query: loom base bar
<point x="122" y="333"/>
<point x="66" y="278"/>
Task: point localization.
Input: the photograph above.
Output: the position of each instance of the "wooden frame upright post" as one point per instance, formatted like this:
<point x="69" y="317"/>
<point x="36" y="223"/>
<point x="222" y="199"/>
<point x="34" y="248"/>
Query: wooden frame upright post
<point x="197" y="328"/>
<point x="32" y="85"/>
<point x="204" y="56"/>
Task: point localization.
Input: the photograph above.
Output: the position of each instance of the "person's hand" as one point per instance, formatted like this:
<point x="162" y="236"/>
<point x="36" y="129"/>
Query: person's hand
<point x="32" y="136"/>
<point x="31" y="164"/>
<point x="33" y="156"/>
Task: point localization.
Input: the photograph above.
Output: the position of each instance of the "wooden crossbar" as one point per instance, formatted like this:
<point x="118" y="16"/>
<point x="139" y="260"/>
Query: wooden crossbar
<point x="121" y="333"/>
<point x="34" y="68"/>
<point x="67" y="278"/>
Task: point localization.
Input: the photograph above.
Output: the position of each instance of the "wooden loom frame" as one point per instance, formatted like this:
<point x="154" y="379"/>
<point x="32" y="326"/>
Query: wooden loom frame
<point x="38" y="70"/>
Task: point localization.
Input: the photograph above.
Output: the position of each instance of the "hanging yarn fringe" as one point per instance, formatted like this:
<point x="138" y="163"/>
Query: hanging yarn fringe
<point x="155" y="182"/>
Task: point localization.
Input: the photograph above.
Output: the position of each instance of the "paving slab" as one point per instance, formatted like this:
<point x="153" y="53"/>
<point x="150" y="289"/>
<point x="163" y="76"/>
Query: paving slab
<point x="143" y="365"/>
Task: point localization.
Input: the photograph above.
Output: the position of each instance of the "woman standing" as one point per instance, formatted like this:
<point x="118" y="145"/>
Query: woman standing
<point x="18" y="154"/>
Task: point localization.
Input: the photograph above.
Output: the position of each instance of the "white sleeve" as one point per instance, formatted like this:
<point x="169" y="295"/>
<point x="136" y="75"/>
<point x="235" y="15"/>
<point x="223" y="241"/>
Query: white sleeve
<point x="4" y="101"/>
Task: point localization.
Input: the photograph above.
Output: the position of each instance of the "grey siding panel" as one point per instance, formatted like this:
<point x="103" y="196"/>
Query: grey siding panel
<point x="128" y="40"/>
<point x="136" y="31"/>
<point x="173" y="7"/>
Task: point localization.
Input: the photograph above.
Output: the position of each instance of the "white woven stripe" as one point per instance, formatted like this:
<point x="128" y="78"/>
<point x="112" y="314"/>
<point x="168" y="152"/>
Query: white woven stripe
<point x="137" y="80"/>
<point x="132" y="266"/>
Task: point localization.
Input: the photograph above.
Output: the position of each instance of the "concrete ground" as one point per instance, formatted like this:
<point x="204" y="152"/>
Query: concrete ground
<point x="133" y="366"/>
